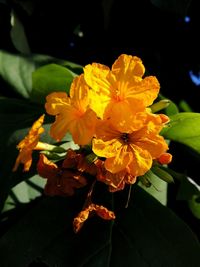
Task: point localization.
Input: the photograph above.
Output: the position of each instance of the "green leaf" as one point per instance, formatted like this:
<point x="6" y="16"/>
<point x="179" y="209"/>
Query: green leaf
<point x="50" y="78"/>
<point x="144" y="234"/>
<point x="157" y="188"/>
<point x="17" y="70"/>
<point x="194" y="205"/>
<point x="184" y="106"/>
<point x="24" y="192"/>
<point x="18" y="35"/>
<point x="187" y="189"/>
<point x="16" y="117"/>
<point x="174" y="6"/>
<point x="184" y="128"/>
<point x="171" y="109"/>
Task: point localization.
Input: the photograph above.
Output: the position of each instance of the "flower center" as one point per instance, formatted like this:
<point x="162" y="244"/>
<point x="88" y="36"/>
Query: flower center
<point x="125" y="138"/>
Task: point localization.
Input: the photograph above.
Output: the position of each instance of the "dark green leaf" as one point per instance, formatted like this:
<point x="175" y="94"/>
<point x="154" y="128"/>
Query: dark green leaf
<point x="184" y="106"/>
<point x="16" y="118"/>
<point x="175" y="6"/>
<point x="184" y="128"/>
<point x="18" y="35"/>
<point x="144" y="234"/>
<point x="50" y="78"/>
<point x="194" y="205"/>
<point x="187" y="189"/>
<point x="17" y="71"/>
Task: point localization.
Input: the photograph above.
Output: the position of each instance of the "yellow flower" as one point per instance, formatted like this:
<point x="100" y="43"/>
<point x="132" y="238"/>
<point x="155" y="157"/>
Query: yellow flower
<point x="28" y="144"/>
<point x="120" y="91"/>
<point x="72" y="113"/>
<point x="134" y="150"/>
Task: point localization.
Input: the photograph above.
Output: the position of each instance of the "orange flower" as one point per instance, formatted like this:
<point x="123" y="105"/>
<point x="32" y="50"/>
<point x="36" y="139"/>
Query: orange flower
<point x="60" y="180"/>
<point x="133" y="150"/>
<point x="120" y="91"/>
<point x="116" y="181"/>
<point x="28" y="144"/>
<point x="77" y="161"/>
<point x="88" y="211"/>
<point x="72" y="113"/>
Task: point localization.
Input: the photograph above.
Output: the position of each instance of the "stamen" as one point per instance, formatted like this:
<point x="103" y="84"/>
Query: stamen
<point x="125" y="137"/>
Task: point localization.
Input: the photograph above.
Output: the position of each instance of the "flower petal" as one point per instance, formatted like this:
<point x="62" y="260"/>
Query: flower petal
<point x="61" y="125"/>
<point x="46" y="168"/>
<point x="97" y="77"/>
<point x="141" y="161"/>
<point x="106" y="149"/>
<point x="27" y="145"/>
<point x="101" y="211"/>
<point x="154" y="144"/>
<point x="79" y="93"/>
<point x="145" y="92"/>
<point x="56" y="102"/>
<point x="120" y="161"/>
<point x="125" y="67"/>
<point x="83" y="128"/>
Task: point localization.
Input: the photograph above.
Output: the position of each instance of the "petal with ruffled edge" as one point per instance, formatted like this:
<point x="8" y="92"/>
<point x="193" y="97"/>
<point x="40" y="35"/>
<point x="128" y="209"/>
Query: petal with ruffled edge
<point x="121" y="116"/>
<point x="82" y="128"/>
<point x="96" y="76"/>
<point x="141" y="161"/>
<point x="56" y="102"/>
<point x="61" y="125"/>
<point x="100" y="210"/>
<point x="154" y="144"/>
<point x="79" y="91"/>
<point x="106" y="149"/>
<point x="142" y="94"/>
<point x="126" y="66"/>
<point x="46" y="168"/>
<point x="120" y="161"/>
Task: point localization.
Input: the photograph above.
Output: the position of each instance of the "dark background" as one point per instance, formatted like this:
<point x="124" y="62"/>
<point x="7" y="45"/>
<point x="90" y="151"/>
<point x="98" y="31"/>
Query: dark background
<point x="165" y="34"/>
<point x="85" y="31"/>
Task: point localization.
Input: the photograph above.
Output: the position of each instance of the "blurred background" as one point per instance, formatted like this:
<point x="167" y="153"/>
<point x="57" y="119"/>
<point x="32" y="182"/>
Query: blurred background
<point x="163" y="33"/>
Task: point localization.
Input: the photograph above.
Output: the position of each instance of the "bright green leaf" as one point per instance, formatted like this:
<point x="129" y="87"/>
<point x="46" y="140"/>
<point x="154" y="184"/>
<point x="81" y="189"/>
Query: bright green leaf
<point x="184" y="128"/>
<point x="171" y="109"/>
<point x="50" y="78"/>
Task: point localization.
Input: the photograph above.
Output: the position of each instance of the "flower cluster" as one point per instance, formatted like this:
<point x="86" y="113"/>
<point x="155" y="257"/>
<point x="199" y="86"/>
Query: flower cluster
<point x="109" y="112"/>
